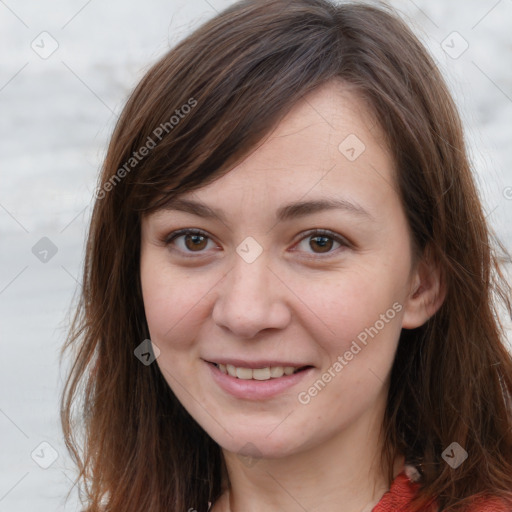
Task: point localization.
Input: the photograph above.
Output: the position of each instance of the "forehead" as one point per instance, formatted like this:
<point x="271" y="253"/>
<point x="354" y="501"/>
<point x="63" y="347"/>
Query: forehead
<point x="329" y="143"/>
<point x="335" y="108"/>
<point x="329" y="148"/>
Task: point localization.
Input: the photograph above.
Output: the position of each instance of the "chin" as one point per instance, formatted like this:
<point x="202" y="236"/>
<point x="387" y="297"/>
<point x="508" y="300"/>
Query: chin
<point x="258" y="444"/>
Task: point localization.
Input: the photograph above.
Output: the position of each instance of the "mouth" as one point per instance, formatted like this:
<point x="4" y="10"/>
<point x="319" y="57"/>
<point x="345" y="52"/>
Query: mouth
<point x="261" y="374"/>
<point x="257" y="380"/>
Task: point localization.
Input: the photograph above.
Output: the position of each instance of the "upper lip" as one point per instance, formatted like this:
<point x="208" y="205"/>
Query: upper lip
<point x="263" y="363"/>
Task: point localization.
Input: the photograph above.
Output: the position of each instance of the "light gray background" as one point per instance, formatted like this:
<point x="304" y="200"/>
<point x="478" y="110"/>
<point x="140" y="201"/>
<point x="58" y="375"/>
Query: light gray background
<point x="56" y="115"/>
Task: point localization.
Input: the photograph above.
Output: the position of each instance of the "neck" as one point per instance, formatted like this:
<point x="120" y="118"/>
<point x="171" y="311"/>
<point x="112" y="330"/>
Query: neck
<point x="346" y="469"/>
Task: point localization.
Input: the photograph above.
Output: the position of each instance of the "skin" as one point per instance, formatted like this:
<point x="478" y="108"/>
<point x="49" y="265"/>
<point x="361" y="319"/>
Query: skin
<point x="297" y="301"/>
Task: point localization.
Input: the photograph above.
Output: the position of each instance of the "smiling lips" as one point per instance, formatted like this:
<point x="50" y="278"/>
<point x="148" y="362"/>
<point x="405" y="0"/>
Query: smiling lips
<point x="263" y="372"/>
<point x="259" y="380"/>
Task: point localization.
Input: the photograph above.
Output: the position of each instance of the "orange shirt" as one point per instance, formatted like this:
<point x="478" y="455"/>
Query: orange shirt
<point x="403" y="490"/>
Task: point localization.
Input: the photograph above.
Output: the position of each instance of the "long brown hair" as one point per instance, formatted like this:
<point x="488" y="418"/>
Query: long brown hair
<point x="239" y="74"/>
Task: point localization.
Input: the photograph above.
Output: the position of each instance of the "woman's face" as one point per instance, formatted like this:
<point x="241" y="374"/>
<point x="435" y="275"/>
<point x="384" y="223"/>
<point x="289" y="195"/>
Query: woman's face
<point x="299" y="257"/>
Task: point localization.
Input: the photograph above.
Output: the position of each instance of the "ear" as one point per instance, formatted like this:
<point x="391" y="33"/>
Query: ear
<point x="427" y="291"/>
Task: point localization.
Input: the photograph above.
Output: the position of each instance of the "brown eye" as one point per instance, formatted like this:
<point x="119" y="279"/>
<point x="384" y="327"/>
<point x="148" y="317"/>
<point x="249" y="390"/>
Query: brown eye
<point x="322" y="243"/>
<point x="195" y="242"/>
<point x="188" y="241"/>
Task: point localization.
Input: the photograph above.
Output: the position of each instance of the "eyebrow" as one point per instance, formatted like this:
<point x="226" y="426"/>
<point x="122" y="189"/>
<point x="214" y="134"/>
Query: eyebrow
<point x="284" y="213"/>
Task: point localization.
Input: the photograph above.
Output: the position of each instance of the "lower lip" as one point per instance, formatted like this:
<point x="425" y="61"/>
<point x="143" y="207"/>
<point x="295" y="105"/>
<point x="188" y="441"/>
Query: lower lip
<point x="251" y="389"/>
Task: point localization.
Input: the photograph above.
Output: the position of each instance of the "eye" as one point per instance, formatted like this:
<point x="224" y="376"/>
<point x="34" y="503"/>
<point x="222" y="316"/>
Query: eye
<point x="322" y="241"/>
<point x="189" y="240"/>
<point x="318" y="241"/>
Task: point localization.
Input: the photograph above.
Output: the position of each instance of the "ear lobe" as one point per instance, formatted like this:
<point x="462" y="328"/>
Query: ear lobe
<point x="427" y="292"/>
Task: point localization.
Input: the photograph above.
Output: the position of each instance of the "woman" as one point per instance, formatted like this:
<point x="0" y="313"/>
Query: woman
<point x="287" y="212"/>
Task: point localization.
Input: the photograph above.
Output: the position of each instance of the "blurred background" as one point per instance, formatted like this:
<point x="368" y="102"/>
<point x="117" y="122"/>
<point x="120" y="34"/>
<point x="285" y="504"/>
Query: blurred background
<point x="66" y="71"/>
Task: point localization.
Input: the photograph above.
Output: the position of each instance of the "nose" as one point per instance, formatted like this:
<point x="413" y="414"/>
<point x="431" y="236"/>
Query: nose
<point x="250" y="299"/>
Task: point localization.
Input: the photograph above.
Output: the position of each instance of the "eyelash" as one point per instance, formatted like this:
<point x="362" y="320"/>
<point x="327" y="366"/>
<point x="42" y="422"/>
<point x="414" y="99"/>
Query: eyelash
<point x="308" y="234"/>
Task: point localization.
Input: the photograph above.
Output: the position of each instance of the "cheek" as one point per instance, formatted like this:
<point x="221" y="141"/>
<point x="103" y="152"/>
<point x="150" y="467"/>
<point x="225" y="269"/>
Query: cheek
<point x="178" y="305"/>
<point x="364" y="322"/>
<point x="172" y="301"/>
<point x="358" y="301"/>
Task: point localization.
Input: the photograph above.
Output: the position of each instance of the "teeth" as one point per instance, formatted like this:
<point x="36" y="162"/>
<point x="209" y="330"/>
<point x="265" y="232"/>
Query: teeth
<point x="267" y="373"/>
<point x="261" y="373"/>
<point x="276" y="371"/>
<point x="244" y="373"/>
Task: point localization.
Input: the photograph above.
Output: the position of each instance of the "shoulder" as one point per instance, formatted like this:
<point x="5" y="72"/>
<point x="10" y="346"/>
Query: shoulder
<point x="404" y="489"/>
<point x="491" y="505"/>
